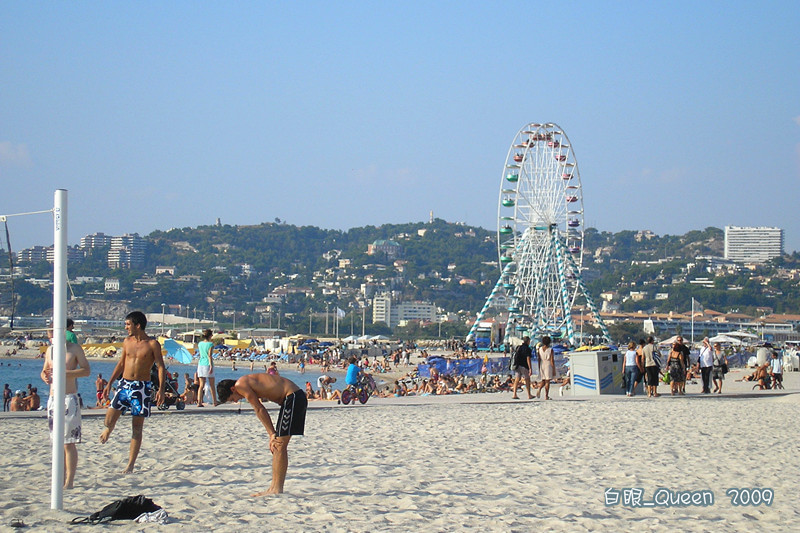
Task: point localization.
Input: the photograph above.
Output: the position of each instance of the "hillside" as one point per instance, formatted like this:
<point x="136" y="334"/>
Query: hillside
<point x="261" y="271"/>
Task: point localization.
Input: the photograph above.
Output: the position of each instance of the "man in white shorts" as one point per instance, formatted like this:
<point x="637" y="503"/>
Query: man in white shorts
<point x="76" y="367"/>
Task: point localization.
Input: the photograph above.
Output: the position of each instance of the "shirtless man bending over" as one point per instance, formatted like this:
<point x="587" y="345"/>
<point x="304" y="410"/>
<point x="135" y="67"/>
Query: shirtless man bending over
<point x="76" y="367"/>
<point x="291" y="418"/>
<point x="139" y="353"/>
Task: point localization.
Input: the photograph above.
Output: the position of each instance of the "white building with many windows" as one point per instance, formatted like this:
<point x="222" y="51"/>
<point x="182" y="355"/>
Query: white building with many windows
<point x="753" y="245"/>
<point x="394" y="314"/>
<point x="127" y="251"/>
<point x="382" y="309"/>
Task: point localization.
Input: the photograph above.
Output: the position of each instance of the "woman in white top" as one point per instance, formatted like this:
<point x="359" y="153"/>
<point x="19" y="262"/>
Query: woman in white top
<point x="631" y="370"/>
<point x="547" y="367"/>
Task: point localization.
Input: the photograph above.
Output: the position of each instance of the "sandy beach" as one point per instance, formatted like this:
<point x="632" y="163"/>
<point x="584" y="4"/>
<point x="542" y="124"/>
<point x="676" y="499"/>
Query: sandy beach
<point x="477" y="462"/>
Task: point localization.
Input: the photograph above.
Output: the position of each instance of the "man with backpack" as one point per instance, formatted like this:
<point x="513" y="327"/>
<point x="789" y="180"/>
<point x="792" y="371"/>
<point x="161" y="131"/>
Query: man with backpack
<point x="521" y="365"/>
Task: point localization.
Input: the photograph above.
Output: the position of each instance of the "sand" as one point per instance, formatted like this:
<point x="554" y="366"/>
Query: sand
<point x="477" y="462"/>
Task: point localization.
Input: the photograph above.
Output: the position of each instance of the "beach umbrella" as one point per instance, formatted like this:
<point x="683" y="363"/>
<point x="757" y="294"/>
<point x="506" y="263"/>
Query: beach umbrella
<point x="742" y="334"/>
<point x="669" y="341"/>
<point x="725" y="338"/>
<point x="177" y="351"/>
<point x="326" y="343"/>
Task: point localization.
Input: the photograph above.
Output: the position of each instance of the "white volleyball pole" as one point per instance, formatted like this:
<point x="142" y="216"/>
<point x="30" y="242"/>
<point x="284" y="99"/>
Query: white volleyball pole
<point x="59" y="347"/>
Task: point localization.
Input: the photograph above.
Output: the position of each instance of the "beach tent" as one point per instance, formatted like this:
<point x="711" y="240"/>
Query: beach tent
<point x="351" y="338"/>
<point x="741" y="334"/>
<point x="668" y="342"/>
<point x="725" y="339"/>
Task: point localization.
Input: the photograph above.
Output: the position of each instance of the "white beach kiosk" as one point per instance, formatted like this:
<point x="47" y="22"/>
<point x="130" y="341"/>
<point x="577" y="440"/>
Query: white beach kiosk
<point x="596" y="372"/>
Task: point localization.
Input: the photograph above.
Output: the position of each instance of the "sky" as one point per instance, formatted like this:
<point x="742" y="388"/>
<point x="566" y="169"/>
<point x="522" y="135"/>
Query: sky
<point x="159" y="115"/>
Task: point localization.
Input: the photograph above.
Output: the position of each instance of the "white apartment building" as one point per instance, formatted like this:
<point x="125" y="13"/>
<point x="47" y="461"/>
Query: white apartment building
<point x="753" y="245"/>
<point x="392" y="314"/>
<point x="382" y="309"/>
<point x="127" y="251"/>
<point x="96" y="240"/>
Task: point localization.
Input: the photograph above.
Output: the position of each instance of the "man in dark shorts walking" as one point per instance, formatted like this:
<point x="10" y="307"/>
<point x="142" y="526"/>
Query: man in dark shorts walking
<point x="291" y="418"/>
<point x="522" y="366"/>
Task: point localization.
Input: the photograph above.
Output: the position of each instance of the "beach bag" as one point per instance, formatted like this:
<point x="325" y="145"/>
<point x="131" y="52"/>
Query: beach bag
<point x="657" y="357"/>
<point x="125" y="509"/>
<point x="724" y="367"/>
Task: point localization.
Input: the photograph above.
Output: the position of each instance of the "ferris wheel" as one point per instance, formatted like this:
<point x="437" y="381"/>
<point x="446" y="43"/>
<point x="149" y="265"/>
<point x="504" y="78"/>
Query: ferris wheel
<point x="540" y="235"/>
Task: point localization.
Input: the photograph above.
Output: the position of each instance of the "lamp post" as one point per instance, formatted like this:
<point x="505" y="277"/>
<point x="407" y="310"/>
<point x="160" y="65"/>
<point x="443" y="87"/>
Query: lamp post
<point x="162" y="318"/>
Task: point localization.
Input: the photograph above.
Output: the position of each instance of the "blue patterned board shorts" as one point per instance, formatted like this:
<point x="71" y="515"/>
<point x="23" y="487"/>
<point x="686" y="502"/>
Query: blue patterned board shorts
<point x="133" y="395"/>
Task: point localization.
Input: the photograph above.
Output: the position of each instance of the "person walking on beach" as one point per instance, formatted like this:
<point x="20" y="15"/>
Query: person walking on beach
<point x="686" y="362"/>
<point x="547" y="367"/>
<point x="677" y="368"/>
<point x="291" y="417"/>
<point x="706" y="365"/>
<point x="7" y="394"/>
<point x="139" y="353"/>
<point x="205" y="368"/>
<point x="630" y="370"/>
<point x="100" y="385"/>
<point x="720" y="365"/>
<point x="76" y="366"/>
<point x="522" y="367"/>
<point x="652" y="368"/>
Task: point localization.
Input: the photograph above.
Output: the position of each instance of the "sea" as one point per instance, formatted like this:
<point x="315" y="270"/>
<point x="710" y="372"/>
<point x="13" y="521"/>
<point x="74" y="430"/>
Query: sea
<point x="19" y="372"/>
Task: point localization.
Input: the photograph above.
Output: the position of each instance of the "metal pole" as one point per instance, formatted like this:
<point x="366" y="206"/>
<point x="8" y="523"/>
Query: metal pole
<point x="59" y="348"/>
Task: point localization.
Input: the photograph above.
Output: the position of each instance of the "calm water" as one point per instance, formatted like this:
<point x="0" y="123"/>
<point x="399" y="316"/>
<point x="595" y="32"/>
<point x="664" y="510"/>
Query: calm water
<point x="24" y="371"/>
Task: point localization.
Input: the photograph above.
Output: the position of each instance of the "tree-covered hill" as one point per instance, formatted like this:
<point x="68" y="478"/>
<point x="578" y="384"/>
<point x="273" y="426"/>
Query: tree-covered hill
<point x="223" y="269"/>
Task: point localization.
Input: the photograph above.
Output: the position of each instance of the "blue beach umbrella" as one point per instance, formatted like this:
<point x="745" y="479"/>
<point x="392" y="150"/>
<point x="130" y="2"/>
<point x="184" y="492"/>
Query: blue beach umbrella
<point x="177" y="351"/>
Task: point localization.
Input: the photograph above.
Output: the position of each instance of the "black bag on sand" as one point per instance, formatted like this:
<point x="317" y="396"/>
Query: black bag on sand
<point x="126" y="509"/>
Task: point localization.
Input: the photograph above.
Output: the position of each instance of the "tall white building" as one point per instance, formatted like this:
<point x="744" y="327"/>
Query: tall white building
<point x="392" y="314"/>
<point x="753" y="245"/>
<point x="127" y="251"/>
<point x="382" y="309"/>
<point x="96" y="240"/>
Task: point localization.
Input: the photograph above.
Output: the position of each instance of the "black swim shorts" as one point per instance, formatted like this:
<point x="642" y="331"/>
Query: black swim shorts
<point x="292" y="416"/>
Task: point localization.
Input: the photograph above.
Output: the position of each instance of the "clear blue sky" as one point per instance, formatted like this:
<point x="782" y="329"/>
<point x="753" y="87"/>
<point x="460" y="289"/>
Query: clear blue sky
<point x="154" y="115"/>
